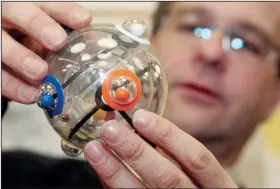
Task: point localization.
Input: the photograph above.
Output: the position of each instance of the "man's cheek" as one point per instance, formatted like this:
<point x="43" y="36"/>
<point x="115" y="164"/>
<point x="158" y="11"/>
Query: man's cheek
<point x="241" y="96"/>
<point x="167" y="51"/>
<point x="239" y="81"/>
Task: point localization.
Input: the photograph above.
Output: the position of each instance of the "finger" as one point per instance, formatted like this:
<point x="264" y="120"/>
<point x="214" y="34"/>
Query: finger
<point x="167" y="157"/>
<point x="35" y="22"/>
<point x="150" y="165"/>
<point x="34" y="46"/>
<point x="109" y="169"/>
<point x="71" y="14"/>
<point x="171" y="159"/>
<point x="7" y="25"/>
<point x="191" y="154"/>
<point x="105" y="186"/>
<point x="22" y="60"/>
<point x="15" y="89"/>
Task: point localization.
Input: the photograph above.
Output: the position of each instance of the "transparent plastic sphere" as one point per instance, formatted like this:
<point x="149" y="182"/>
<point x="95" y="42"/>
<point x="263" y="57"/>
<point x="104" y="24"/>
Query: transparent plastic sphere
<point x="104" y="72"/>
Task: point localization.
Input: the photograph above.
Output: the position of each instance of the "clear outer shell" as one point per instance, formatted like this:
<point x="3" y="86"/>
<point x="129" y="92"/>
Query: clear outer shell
<point x="84" y="52"/>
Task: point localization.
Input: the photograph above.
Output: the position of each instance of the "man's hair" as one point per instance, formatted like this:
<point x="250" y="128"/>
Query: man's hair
<point x="158" y="15"/>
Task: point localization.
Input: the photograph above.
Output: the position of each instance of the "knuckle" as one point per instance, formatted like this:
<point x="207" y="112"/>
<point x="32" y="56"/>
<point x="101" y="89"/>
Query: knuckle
<point x="199" y="159"/>
<point x="6" y="80"/>
<point x="168" y="180"/>
<point x="8" y="48"/>
<point x="10" y="85"/>
<point x="66" y="12"/>
<point x="35" y="18"/>
<point x="70" y="7"/>
<point x="112" y="175"/>
<point x="134" y="151"/>
<point x="7" y="8"/>
<point x="67" y="9"/>
<point x="167" y="136"/>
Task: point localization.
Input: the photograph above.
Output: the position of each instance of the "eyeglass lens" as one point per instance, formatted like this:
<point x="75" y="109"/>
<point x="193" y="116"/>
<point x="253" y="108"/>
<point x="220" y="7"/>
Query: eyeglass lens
<point x="191" y="27"/>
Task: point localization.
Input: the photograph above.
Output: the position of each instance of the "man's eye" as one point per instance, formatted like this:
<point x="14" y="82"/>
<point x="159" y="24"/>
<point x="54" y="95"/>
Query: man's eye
<point x="253" y="48"/>
<point x="242" y="44"/>
<point x="188" y="27"/>
<point x="197" y="30"/>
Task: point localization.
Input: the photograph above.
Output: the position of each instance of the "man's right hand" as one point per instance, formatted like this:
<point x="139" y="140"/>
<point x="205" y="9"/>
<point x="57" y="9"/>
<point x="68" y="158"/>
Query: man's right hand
<point x="28" y="30"/>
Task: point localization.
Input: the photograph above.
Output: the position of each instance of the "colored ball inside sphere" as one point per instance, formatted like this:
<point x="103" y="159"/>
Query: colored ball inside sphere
<point x="122" y="94"/>
<point x="47" y="100"/>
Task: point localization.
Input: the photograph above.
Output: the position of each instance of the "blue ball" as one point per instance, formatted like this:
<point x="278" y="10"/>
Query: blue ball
<point x="47" y="100"/>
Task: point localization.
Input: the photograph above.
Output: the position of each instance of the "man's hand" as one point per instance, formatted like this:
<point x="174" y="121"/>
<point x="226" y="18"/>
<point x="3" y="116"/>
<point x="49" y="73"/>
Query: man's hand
<point x="29" y="29"/>
<point x="188" y="163"/>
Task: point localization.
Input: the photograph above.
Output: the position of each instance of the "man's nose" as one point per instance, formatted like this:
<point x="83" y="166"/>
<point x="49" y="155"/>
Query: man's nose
<point x="212" y="49"/>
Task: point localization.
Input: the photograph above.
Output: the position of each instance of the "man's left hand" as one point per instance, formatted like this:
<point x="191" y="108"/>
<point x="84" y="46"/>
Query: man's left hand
<point x="179" y="161"/>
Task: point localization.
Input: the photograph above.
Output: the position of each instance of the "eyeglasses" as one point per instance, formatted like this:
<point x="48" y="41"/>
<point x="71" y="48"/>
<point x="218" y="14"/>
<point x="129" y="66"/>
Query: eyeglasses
<point x="243" y="41"/>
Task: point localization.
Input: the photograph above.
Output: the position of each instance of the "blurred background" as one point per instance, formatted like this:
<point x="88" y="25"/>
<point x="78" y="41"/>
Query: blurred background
<point x="26" y="127"/>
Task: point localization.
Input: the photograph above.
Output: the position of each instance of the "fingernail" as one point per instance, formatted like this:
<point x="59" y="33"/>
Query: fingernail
<point x="27" y="93"/>
<point x="112" y="131"/>
<point x="53" y="35"/>
<point x="95" y="152"/>
<point x="143" y="118"/>
<point x="33" y="67"/>
<point x="78" y="15"/>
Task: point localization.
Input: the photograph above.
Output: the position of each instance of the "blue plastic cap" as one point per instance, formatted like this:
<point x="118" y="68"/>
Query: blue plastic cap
<point x="47" y="100"/>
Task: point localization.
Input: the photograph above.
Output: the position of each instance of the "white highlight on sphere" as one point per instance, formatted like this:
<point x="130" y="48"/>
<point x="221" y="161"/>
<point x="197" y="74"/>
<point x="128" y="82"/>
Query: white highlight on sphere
<point x="103" y="100"/>
<point x="138" y="63"/>
<point x="101" y="72"/>
<point x="79" y="47"/>
<point x="137" y="29"/>
<point x="157" y="68"/>
<point x="107" y="43"/>
<point x="156" y="74"/>
<point x="126" y="39"/>
<point x="69" y="66"/>
<point x="102" y="63"/>
<point x="131" y="67"/>
<point x="85" y="56"/>
<point x="104" y="56"/>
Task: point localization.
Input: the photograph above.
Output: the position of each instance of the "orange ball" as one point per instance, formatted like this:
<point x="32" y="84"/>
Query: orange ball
<point x="122" y="94"/>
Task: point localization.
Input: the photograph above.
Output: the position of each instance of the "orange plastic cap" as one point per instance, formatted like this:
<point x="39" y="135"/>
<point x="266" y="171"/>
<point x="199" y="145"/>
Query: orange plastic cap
<point x="121" y="94"/>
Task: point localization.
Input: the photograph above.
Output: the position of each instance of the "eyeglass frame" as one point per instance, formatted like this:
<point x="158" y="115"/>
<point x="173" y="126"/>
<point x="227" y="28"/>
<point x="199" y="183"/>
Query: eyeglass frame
<point x="264" y="36"/>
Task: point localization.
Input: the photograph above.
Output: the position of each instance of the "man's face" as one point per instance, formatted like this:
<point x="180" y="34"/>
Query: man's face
<point x="219" y="96"/>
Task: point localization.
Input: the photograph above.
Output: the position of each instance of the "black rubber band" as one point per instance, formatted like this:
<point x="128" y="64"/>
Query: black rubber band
<point x="80" y="124"/>
<point x="128" y="119"/>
